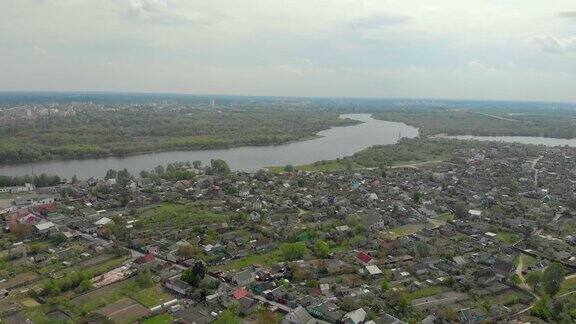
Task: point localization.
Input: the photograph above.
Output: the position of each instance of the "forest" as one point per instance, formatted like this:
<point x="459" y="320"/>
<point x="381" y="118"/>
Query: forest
<point x="485" y="122"/>
<point x="98" y="133"/>
<point x="417" y="150"/>
<point x="39" y="181"/>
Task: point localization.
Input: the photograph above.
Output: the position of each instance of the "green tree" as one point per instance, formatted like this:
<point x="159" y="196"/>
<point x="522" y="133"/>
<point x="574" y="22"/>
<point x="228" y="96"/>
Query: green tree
<point x="460" y="210"/>
<point x="293" y="251"/>
<point x="533" y="279"/>
<point x="289" y="168"/>
<point x="312" y="283"/>
<point x="348" y="165"/>
<point x="227" y="317"/>
<point x="85" y="285"/>
<point x="144" y="279"/>
<point x="186" y="250"/>
<point x="552" y="278"/>
<point x="417" y="197"/>
<point x="58" y="239"/>
<point x="321" y="249"/>
<point x="194" y="275"/>
<point x="422" y="249"/>
<point x="516" y="279"/>
<point x="384" y="285"/>
<point x="219" y="166"/>
<point x="51" y="288"/>
<point x="542" y="309"/>
<point x="265" y="316"/>
<point x="111" y="174"/>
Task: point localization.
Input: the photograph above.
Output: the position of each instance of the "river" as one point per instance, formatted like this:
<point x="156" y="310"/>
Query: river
<point x="332" y="143"/>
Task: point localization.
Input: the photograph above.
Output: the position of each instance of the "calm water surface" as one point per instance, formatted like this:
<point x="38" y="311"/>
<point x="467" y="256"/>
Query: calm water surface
<point x="333" y="143"/>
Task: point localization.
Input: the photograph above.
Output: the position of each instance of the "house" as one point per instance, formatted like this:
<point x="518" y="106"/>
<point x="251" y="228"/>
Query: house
<point x="484" y="276"/>
<point x="29" y="219"/>
<point x="373" y="270"/>
<point x="386" y="319"/>
<point x="27" y="187"/>
<point x="299" y="316"/>
<point x="179" y="286"/>
<point x="247" y="306"/>
<point x="240" y="293"/>
<point x="343" y="228"/>
<point x="504" y="268"/>
<point x="354" y="317"/>
<point x="364" y="258"/>
<point x="71" y="234"/>
<point x="277" y="294"/>
<point x="459" y="261"/>
<point x="327" y="311"/>
<point x="260" y="287"/>
<point x="143" y="259"/>
<point x="44" y="228"/>
<point x="244" y="278"/>
<point x="475" y="213"/>
<point x="102" y="221"/>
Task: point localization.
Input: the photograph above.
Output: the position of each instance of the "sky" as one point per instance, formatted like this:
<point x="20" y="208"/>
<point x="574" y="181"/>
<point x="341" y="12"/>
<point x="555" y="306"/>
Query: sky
<point x="459" y="49"/>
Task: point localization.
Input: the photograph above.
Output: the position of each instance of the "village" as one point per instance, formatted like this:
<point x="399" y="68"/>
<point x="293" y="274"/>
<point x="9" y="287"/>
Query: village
<point x="488" y="235"/>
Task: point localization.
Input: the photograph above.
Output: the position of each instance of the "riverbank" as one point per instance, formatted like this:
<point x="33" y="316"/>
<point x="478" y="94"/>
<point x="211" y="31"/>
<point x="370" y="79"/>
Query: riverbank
<point x="329" y="144"/>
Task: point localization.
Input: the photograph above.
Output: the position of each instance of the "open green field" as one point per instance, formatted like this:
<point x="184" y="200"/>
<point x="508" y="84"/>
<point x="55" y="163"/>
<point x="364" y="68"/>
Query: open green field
<point x="96" y="299"/>
<point x="507" y="237"/>
<point x="410" y="229"/>
<point x="426" y="292"/>
<point x="262" y="259"/>
<point x="331" y="165"/>
<point x="180" y="216"/>
<point x="164" y="318"/>
<point x="568" y="286"/>
<point x="403" y="230"/>
<point x="149" y="297"/>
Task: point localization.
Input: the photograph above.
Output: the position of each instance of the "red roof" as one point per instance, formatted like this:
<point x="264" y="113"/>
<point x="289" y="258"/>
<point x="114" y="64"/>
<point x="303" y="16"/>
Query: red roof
<point x="46" y="208"/>
<point x="144" y="258"/>
<point x="30" y="219"/>
<point x="240" y="293"/>
<point x="365" y="258"/>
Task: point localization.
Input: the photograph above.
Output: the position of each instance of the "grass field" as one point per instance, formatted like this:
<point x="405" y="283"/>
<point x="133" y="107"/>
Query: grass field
<point x="101" y="297"/>
<point x="410" y="229"/>
<point x="159" y="319"/>
<point x="507" y="237"/>
<point x="262" y="259"/>
<point x="177" y="216"/>
<point x="509" y="298"/>
<point x="426" y="292"/>
<point x="332" y="165"/>
<point x="150" y="297"/>
<point x="567" y="286"/>
<point x="403" y="230"/>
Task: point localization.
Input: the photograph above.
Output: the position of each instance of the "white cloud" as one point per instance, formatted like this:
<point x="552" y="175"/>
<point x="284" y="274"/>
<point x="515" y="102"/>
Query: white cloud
<point x="443" y="48"/>
<point x="377" y="21"/>
<point x="556" y="45"/>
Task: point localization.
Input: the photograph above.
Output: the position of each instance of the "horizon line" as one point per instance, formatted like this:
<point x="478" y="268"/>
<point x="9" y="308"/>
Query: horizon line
<point x="143" y="93"/>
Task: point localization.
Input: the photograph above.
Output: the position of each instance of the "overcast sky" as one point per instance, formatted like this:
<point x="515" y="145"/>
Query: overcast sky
<point x="482" y="49"/>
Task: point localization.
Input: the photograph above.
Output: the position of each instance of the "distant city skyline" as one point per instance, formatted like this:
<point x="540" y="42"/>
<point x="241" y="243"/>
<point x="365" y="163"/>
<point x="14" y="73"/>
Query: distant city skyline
<point x="449" y="49"/>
